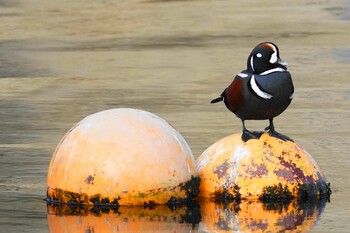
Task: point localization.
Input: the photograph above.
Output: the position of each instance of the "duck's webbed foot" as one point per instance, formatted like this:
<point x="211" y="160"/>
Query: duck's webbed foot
<point x="273" y="133"/>
<point x="247" y="135"/>
<point x="280" y="136"/>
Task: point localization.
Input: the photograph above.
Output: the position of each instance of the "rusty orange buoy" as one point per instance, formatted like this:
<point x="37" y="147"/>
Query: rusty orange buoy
<point x="266" y="169"/>
<point x="122" y="157"/>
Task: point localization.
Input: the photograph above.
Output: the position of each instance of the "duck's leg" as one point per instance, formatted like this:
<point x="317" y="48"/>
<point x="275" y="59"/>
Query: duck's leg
<point x="273" y="133"/>
<point x="247" y="135"/>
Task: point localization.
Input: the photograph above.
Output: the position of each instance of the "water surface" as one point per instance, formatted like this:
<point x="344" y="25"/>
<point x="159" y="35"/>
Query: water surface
<point x="61" y="61"/>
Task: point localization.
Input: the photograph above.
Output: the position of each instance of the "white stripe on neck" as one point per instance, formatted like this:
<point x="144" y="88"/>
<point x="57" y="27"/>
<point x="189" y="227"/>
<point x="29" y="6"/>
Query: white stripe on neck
<point x="257" y="90"/>
<point x="278" y="69"/>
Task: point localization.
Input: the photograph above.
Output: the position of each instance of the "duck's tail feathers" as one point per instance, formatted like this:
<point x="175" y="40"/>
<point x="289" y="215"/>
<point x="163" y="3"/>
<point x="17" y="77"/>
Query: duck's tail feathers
<point x="221" y="98"/>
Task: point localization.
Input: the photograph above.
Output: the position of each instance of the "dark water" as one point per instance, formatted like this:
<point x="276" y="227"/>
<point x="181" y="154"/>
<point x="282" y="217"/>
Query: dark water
<point x="60" y="62"/>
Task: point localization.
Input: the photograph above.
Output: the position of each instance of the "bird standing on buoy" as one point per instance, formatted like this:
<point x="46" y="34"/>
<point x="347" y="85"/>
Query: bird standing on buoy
<point x="262" y="91"/>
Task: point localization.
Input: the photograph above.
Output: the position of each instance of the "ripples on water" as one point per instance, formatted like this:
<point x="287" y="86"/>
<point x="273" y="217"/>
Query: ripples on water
<point x="206" y="217"/>
<point x="62" y="62"/>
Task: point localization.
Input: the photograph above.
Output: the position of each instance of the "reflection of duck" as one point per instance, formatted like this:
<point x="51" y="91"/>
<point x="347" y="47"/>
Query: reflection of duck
<point x="263" y="91"/>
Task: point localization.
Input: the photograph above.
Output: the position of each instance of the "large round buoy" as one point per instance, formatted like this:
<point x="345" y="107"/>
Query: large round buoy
<point x="122" y="157"/>
<point x="265" y="169"/>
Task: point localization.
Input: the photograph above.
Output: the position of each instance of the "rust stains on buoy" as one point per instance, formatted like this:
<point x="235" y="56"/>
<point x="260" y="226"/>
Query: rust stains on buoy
<point x="122" y="157"/>
<point x="265" y="169"/>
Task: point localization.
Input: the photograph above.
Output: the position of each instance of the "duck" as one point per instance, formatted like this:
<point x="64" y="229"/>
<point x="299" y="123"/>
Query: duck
<point x="261" y="92"/>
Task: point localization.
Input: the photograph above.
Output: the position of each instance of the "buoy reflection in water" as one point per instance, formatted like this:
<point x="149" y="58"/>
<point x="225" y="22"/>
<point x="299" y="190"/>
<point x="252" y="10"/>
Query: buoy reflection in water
<point x="207" y="216"/>
<point x="255" y="216"/>
<point x="160" y="218"/>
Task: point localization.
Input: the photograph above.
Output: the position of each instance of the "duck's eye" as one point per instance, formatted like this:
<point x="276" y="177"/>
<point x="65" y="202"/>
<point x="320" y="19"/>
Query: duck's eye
<point x="259" y="55"/>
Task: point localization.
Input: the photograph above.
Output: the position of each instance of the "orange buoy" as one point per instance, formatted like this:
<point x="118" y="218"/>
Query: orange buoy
<point x="265" y="169"/>
<point x="122" y="157"/>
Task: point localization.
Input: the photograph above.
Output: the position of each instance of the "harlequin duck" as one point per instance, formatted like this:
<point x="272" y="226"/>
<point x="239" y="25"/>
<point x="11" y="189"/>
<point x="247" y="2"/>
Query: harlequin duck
<point x="262" y="91"/>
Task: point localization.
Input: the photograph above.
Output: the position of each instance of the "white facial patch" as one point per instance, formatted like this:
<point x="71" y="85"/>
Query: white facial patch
<point x="259" y="55"/>
<point x="258" y="91"/>
<point x="273" y="58"/>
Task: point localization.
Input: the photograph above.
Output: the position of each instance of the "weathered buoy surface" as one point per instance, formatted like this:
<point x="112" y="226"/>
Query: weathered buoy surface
<point x="122" y="157"/>
<point x="265" y="169"/>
